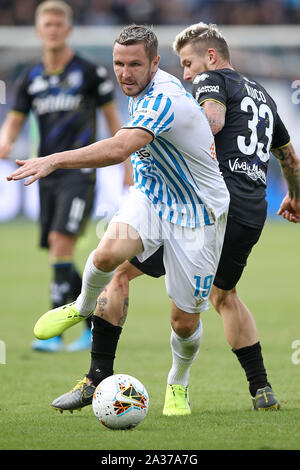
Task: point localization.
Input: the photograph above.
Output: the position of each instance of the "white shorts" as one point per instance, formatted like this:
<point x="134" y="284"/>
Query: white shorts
<point x="191" y="255"/>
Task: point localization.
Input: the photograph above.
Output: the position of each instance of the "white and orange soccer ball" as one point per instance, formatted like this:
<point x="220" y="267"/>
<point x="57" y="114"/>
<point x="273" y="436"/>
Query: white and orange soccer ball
<point x="120" y="402"/>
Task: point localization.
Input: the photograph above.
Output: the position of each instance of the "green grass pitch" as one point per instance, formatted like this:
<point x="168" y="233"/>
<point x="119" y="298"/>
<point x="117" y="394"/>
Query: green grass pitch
<point x="221" y="418"/>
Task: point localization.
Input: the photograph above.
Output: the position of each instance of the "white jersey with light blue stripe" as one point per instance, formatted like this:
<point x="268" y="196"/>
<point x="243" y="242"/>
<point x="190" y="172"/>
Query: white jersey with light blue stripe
<point x="178" y="170"/>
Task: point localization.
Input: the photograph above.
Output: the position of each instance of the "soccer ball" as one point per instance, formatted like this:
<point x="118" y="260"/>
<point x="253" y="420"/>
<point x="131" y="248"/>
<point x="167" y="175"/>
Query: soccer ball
<point x="120" y="402"/>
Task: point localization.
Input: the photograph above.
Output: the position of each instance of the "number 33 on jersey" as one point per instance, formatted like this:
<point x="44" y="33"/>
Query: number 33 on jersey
<point x="252" y="128"/>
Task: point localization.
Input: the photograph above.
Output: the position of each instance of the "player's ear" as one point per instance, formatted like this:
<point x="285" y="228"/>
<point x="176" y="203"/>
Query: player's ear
<point x="211" y="56"/>
<point x="155" y="62"/>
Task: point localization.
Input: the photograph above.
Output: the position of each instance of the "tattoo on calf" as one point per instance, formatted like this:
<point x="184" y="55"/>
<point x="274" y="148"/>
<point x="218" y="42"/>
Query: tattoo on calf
<point x="124" y="313"/>
<point x="101" y="302"/>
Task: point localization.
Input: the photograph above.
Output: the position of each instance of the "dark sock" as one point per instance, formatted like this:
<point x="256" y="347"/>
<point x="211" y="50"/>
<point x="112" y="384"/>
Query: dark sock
<point x="252" y="362"/>
<point x="105" y="337"/>
<point x="61" y="284"/>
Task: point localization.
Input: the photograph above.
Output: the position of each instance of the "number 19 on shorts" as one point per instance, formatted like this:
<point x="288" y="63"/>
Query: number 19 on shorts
<point x="203" y="286"/>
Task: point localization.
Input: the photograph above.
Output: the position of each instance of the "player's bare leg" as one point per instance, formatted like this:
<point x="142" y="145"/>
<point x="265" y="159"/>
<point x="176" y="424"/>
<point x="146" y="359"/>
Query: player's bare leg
<point x="112" y="304"/>
<point x="61" y="245"/>
<point x="241" y="334"/>
<point x="238" y="322"/>
<point x="185" y="342"/>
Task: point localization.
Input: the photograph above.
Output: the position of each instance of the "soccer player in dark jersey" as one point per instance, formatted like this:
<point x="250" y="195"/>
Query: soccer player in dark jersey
<point x="247" y="128"/>
<point x="64" y="91"/>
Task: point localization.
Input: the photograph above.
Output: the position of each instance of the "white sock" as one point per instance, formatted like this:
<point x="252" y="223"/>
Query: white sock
<point x="93" y="283"/>
<point x="184" y="352"/>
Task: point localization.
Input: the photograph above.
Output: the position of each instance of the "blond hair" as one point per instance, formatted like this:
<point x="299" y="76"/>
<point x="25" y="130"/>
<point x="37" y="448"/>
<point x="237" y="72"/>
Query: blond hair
<point x="202" y="35"/>
<point x="54" y="6"/>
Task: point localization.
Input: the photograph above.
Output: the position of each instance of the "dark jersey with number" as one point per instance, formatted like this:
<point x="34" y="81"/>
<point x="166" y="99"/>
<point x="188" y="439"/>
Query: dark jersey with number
<point x="252" y="128"/>
<point x="65" y="105"/>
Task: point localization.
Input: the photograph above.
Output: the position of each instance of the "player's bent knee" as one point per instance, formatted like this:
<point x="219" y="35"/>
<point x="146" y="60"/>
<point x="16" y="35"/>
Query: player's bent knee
<point x="184" y="330"/>
<point x="106" y="260"/>
<point x="185" y="324"/>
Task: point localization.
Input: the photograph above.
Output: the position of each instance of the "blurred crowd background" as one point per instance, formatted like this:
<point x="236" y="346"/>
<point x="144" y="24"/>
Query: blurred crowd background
<point x="162" y="12"/>
<point x="275" y="62"/>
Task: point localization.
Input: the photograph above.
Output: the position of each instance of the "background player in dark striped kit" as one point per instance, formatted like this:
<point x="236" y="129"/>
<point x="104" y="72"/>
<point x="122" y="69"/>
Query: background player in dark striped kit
<point x="64" y="91"/>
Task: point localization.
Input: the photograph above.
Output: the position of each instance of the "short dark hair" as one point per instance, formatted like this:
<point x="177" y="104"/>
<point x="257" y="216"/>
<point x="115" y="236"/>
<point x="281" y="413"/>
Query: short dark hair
<point x="202" y="35"/>
<point x="134" y="34"/>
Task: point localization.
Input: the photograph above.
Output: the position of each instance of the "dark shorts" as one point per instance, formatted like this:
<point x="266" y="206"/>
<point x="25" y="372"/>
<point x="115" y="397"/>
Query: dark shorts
<point x="238" y="243"/>
<point x="153" y="266"/>
<point x="65" y="206"/>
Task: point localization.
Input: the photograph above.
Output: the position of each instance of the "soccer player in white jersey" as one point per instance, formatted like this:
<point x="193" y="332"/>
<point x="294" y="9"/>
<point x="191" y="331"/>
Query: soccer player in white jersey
<point x="179" y="200"/>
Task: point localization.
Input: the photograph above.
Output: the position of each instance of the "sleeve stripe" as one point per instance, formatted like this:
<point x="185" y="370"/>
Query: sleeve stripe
<point x="211" y="99"/>
<point x="282" y="146"/>
<point x="107" y="103"/>
<point x="18" y="113"/>
<point x="140" y="127"/>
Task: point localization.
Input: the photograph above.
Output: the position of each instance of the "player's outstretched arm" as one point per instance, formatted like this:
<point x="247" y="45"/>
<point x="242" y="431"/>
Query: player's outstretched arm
<point x="114" y="124"/>
<point x="100" y="154"/>
<point x="290" y="165"/>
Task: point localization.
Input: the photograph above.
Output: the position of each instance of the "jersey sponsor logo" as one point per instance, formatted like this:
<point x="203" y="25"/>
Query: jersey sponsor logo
<point x="52" y="104"/>
<point x="148" y="113"/>
<point x="200" y="78"/>
<point x="252" y="170"/>
<point x="256" y="94"/>
<point x="37" y="85"/>
<point x="143" y="153"/>
<point x="207" y="89"/>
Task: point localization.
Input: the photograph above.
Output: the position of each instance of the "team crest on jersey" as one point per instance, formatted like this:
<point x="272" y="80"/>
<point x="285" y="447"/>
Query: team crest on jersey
<point x="54" y="80"/>
<point x="201" y="78"/>
<point x="75" y="79"/>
